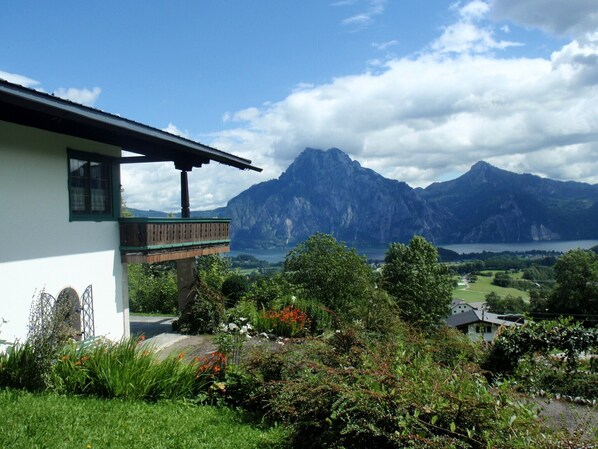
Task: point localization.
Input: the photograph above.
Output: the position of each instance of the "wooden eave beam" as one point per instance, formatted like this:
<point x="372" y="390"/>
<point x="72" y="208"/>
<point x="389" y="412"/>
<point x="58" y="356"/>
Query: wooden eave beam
<point x="142" y="159"/>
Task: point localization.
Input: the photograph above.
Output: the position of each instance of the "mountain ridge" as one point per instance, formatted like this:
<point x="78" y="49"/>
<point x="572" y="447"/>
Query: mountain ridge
<point x="327" y="191"/>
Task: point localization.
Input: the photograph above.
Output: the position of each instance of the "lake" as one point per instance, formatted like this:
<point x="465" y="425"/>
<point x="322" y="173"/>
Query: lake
<point x="377" y="252"/>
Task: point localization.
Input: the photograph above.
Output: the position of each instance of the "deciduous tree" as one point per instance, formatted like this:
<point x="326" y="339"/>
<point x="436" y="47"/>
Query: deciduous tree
<point x="331" y="273"/>
<point x="576" y="289"/>
<point x="420" y="285"/>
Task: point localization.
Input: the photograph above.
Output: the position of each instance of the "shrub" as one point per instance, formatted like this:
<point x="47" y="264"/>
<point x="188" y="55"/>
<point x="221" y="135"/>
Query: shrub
<point x="204" y="311"/>
<point x="449" y="347"/>
<point x="244" y="309"/>
<point x="546" y="356"/>
<point x="153" y="288"/>
<point x="541" y="338"/>
<point x="351" y="392"/>
<point x="542" y="375"/>
<point x="28" y="365"/>
<point x="264" y="292"/>
<point x="231" y="338"/>
<point x="234" y="288"/>
<point x="213" y="269"/>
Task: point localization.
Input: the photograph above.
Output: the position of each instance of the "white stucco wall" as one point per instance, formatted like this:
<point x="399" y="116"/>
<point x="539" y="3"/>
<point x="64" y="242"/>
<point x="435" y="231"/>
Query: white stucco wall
<point x="461" y="308"/>
<point x="39" y="247"/>
<point x="487" y="336"/>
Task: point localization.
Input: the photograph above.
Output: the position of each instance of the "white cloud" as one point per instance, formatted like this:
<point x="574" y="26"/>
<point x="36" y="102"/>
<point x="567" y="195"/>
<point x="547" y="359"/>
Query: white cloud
<point x="574" y="18"/>
<point x="172" y="129"/>
<point x="83" y="96"/>
<point x="380" y="46"/>
<point x="419" y="118"/>
<point x="18" y="79"/>
<point x="474" y="10"/>
<point x="467" y="35"/>
<point x="364" y="18"/>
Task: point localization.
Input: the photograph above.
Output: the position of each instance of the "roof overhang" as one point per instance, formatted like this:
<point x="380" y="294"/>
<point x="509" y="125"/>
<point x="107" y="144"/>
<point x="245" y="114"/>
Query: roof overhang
<point x="29" y="107"/>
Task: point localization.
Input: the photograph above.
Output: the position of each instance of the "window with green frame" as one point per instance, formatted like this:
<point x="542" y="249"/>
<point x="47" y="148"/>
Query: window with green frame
<point x="92" y="192"/>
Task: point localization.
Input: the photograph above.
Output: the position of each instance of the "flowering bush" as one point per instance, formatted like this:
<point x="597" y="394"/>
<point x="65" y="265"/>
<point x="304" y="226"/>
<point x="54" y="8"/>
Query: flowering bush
<point x="288" y="322"/>
<point x="231" y="338"/>
<point x="212" y="364"/>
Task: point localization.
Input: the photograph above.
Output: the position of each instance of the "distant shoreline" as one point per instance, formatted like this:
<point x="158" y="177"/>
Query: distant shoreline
<point x="377" y="252"/>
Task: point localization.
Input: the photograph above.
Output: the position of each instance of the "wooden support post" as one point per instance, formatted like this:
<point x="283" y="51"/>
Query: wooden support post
<point x="186" y="276"/>
<point x="185" y="209"/>
<point x="185" y="268"/>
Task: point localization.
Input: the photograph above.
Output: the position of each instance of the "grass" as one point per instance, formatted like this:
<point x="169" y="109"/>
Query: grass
<point x="478" y="290"/>
<point x="52" y="421"/>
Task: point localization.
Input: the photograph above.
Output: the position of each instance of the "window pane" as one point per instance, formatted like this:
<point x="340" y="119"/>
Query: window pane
<point x="90" y="187"/>
<point x="79" y="196"/>
<point x="99" y="187"/>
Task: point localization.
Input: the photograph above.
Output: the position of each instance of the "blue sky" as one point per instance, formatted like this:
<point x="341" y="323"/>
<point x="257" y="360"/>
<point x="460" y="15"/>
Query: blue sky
<point x="417" y="90"/>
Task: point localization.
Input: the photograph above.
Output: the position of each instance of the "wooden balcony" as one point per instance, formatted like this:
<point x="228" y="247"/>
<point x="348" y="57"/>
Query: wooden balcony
<point x="149" y="240"/>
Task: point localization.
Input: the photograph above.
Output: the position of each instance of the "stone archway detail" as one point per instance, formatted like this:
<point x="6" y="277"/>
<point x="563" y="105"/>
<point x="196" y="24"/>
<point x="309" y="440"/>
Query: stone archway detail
<point x="68" y="306"/>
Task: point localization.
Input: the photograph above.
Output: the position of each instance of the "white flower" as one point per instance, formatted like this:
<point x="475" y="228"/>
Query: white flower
<point x="232" y="327"/>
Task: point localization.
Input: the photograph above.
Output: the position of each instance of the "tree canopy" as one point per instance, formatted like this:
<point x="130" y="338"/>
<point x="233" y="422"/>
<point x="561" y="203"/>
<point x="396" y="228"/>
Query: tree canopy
<point x="576" y="289"/>
<point x="421" y="286"/>
<point x="506" y="304"/>
<point x="331" y="273"/>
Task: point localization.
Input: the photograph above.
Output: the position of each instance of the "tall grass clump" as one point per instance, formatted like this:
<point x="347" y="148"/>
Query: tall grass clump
<point x="128" y="370"/>
<point x="19" y="368"/>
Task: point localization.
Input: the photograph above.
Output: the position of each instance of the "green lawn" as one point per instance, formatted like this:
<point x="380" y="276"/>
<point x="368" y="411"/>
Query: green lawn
<point x="478" y="290"/>
<point x="50" y="421"/>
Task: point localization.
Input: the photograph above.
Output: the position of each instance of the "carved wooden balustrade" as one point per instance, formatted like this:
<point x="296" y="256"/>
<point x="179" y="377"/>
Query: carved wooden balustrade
<point x="148" y="240"/>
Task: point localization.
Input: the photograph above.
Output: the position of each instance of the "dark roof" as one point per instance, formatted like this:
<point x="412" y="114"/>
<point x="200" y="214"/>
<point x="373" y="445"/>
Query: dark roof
<point x="29" y="107"/>
<point x="477" y="316"/>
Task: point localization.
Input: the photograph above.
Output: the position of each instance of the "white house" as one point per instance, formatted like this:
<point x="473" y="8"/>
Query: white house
<point x="60" y="204"/>
<point x="460" y="306"/>
<point x="481" y="325"/>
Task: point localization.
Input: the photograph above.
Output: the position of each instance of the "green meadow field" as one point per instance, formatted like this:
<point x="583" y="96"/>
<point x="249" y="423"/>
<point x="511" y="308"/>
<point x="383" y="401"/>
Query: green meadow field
<point x="477" y="291"/>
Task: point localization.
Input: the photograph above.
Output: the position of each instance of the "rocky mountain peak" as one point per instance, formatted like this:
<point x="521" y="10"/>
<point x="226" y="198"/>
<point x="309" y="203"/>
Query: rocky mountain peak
<point x="327" y="191"/>
<point x="313" y="164"/>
